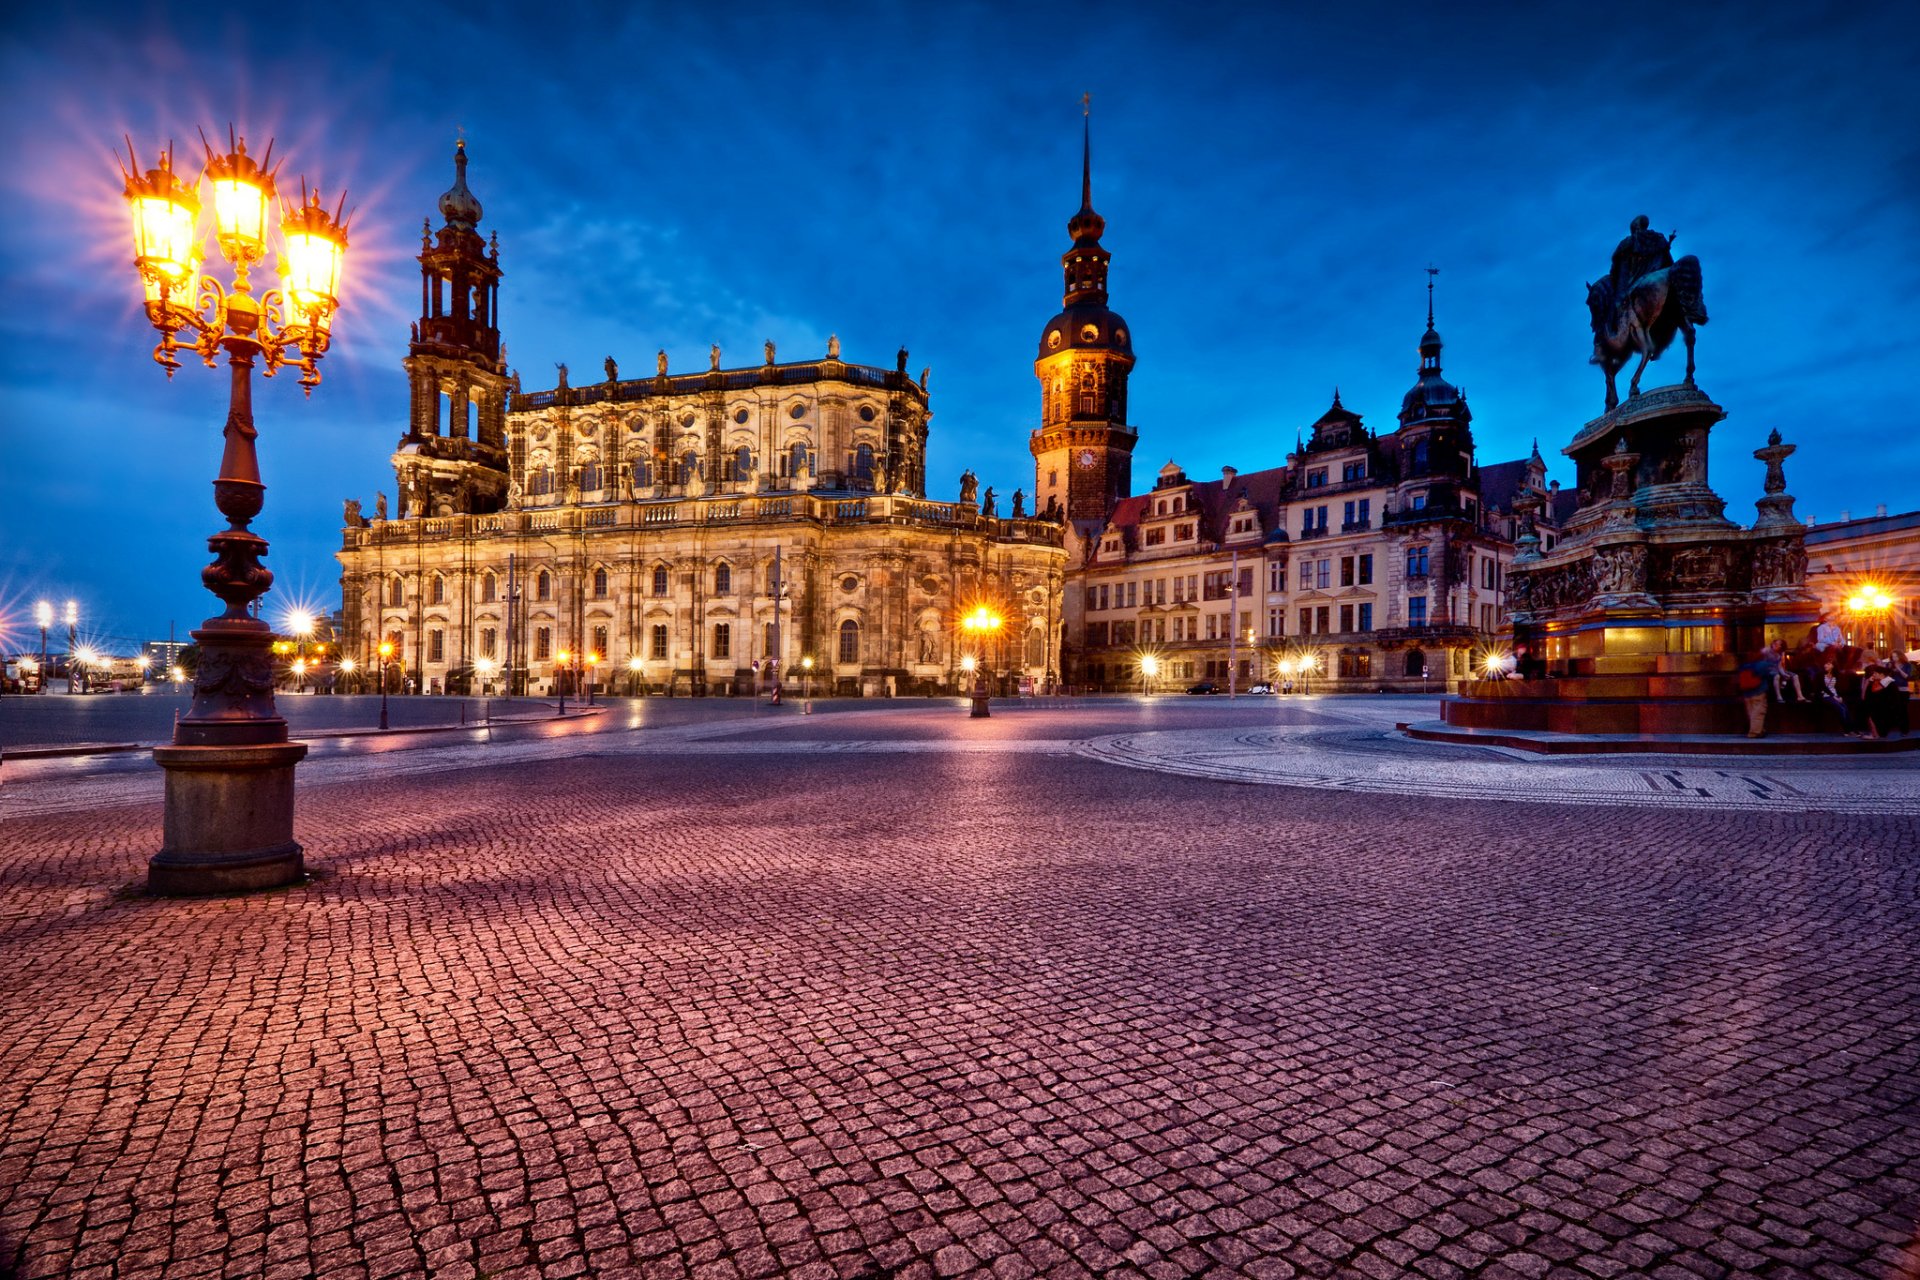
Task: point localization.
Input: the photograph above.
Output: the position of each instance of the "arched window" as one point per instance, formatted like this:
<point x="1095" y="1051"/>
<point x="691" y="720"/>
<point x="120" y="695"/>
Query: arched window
<point x="1089" y="392"/>
<point x="439" y="589"/>
<point x="542" y="482"/>
<point x="489" y="586"/>
<point x="600" y="584"/>
<point x="743" y="463"/>
<point x="689" y="467"/>
<point x="397" y="590"/>
<point x="642" y="471"/>
<point x="849" y="641"/>
<point x="796" y="460"/>
<point x="863" y="464"/>
<point x="543" y="586"/>
<point x="723" y="580"/>
<point x="590" y="476"/>
<point x="1419" y="457"/>
<point x="1036" y="648"/>
<point x="1416" y="664"/>
<point x="659" y="579"/>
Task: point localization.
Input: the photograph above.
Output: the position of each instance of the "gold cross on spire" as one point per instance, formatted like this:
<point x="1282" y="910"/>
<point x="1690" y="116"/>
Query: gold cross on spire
<point x="1086" y="104"/>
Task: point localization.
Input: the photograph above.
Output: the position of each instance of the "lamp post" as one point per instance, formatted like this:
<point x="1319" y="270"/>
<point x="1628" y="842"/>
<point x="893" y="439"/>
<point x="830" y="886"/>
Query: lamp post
<point x="981" y="624"/>
<point x="1308" y="665"/>
<point x="592" y="660"/>
<point x="346" y="666"/>
<point x="73" y="636"/>
<point x="229" y="810"/>
<point x="806" y="685"/>
<point x="42" y="614"/>
<point x="635" y="665"/>
<point x="386" y="655"/>
<point x="483" y="667"/>
<point x="1149" y="668"/>
<point x="1875" y="605"/>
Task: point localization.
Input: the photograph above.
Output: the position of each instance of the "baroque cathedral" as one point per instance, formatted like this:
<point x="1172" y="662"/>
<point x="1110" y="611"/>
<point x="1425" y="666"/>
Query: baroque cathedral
<point x="682" y="532"/>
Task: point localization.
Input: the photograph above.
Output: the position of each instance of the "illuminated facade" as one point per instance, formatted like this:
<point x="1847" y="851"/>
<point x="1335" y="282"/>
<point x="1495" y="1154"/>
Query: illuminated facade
<point x="1866" y="574"/>
<point x="640" y="521"/>
<point x="1379" y="562"/>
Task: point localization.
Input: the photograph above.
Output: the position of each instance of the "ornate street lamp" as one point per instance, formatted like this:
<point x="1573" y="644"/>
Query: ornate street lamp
<point x="635" y="666"/>
<point x="229" y="813"/>
<point x="1149" y="668"/>
<point x="346" y="666"/>
<point x="73" y="643"/>
<point x="806" y="685"/>
<point x="981" y="624"/>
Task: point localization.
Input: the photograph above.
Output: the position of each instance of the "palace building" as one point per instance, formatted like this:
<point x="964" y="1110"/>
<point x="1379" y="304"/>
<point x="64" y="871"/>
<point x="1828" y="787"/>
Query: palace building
<point x="675" y="532"/>
<point x="1372" y="561"/>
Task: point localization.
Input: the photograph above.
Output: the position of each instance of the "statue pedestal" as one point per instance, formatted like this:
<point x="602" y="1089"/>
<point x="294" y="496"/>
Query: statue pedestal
<point x="1653" y="597"/>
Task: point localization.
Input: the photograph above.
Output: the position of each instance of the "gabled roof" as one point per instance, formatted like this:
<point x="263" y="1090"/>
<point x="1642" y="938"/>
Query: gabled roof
<point x="1208" y="500"/>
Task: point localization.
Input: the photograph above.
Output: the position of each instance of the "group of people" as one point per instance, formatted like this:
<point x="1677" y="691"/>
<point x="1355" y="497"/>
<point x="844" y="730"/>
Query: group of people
<point x="1867" y="691"/>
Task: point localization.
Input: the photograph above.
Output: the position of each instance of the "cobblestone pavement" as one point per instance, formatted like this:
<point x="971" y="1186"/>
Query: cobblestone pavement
<point x="823" y="998"/>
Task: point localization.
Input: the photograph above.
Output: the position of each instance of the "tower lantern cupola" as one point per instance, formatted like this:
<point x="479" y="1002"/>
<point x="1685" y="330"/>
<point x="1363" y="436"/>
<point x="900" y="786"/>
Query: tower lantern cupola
<point x="453" y="458"/>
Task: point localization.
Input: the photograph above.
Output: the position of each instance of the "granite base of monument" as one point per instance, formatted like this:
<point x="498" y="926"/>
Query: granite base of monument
<point x="1637" y="622"/>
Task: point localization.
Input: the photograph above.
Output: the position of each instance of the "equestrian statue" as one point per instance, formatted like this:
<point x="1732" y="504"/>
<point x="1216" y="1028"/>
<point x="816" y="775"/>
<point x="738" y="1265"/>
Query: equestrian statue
<point x="1644" y="299"/>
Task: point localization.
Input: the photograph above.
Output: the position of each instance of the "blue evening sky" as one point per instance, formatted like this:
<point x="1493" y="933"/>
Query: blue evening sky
<point x="1274" y="183"/>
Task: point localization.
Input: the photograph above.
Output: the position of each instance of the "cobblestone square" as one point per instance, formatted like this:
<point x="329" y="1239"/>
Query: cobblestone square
<point x="1160" y="990"/>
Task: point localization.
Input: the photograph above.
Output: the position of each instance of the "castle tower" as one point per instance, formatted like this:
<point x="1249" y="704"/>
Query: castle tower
<point x="453" y="458"/>
<point x="1435" y="437"/>
<point x="1083" y="452"/>
<point x="1436" y="493"/>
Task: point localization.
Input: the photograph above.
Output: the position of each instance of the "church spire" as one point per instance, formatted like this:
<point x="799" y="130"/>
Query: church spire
<point x="1085" y="264"/>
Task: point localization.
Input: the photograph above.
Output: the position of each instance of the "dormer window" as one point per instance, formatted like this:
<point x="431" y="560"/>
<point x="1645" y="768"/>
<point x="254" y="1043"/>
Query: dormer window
<point x="1317" y="478"/>
<point x="1354" y="470"/>
<point x="1183" y="532"/>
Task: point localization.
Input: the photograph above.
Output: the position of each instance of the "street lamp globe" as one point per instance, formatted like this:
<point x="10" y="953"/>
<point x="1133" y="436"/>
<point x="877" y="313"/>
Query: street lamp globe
<point x="968" y="663"/>
<point x="43" y="614"/>
<point x="1150" y="666"/>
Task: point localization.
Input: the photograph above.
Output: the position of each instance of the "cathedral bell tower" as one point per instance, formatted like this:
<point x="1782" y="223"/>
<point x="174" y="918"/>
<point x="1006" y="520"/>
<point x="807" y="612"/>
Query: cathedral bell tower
<point x="1083" y="451"/>
<point x="453" y="459"/>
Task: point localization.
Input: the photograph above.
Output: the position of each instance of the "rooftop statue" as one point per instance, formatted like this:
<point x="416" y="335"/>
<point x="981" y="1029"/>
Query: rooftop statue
<point x="1643" y="300"/>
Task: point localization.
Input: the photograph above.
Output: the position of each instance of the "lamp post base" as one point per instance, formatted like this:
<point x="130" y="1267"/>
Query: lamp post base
<point x="229" y="820"/>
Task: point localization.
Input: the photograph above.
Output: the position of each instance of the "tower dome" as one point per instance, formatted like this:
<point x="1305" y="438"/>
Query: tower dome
<point x="458" y="205"/>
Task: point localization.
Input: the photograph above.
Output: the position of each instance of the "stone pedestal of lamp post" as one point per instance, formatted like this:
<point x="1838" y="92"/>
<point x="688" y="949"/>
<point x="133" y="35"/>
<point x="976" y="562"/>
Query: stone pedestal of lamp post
<point x="229" y="814"/>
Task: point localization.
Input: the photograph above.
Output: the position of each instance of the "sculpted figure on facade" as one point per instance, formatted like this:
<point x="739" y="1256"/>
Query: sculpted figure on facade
<point x="833" y="346"/>
<point x="352" y="514"/>
<point x="1019" y="504"/>
<point x="1621" y="570"/>
<point x="379" y="505"/>
<point x="713" y="356"/>
<point x="1779" y="564"/>
<point x="986" y="503"/>
<point x="613" y="370"/>
<point x="770" y="351"/>
<point x="969" y="487"/>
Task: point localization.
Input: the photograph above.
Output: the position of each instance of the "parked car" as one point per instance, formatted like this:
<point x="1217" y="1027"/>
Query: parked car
<point x="1261" y="688"/>
<point x="1205" y="686"/>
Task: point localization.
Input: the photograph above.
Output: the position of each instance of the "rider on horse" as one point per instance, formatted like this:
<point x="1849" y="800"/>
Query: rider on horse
<point x="1641" y="254"/>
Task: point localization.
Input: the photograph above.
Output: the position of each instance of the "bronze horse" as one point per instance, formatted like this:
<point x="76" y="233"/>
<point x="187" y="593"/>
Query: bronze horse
<point x="1658" y="305"/>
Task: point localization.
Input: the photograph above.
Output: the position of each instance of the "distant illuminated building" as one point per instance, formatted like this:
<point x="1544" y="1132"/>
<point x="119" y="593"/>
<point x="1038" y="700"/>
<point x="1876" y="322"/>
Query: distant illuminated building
<point x="1866" y="573"/>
